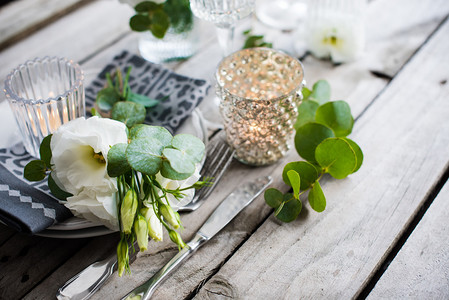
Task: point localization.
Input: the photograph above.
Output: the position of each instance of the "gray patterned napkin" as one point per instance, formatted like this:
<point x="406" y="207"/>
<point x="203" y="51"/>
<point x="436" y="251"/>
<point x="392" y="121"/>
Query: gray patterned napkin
<point x="29" y="207"/>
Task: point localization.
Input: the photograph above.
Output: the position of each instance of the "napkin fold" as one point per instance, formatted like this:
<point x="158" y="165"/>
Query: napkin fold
<point x="28" y="206"/>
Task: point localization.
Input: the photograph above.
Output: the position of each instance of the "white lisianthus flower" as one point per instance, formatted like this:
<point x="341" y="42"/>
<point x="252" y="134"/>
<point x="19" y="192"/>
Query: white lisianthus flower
<point x="79" y="158"/>
<point x="174" y="184"/>
<point x="338" y="36"/>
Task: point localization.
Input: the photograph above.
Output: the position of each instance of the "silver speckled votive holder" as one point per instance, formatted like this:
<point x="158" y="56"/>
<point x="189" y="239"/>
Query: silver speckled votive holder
<point x="259" y="91"/>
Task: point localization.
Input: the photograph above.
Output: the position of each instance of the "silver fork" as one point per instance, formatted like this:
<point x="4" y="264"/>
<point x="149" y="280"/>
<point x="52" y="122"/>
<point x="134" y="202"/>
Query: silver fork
<point x="84" y="284"/>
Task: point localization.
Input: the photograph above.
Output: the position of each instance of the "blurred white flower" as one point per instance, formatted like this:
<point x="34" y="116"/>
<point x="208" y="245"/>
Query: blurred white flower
<point x="339" y="37"/>
<point x="79" y="159"/>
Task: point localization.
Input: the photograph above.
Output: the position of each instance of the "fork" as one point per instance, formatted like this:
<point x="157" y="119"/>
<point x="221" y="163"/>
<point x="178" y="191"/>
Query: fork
<point x="84" y="284"/>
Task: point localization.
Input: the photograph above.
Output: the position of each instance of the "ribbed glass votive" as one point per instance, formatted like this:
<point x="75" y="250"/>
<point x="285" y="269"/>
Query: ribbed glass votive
<point x="260" y="90"/>
<point x="43" y="94"/>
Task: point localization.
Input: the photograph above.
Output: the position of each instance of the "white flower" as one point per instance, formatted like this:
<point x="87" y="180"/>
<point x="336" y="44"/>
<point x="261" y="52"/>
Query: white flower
<point x="79" y="158"/>
<point x="339" y="36"/>
<point x="174" y="184"/>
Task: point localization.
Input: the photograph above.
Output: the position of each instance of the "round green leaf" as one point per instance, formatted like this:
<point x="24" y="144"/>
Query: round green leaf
<point x="117" y="162"/>
<point x="358" y="153"/>
<point x="306" y="171"/>
<point x="337" y="157"/>
<point x="321" y="91"/>
<point x="305" y="93"/>
<point x="56" y="190"/>
<point x="290" y="210"/>
<point x="295" y="181"/>
<point x="179" y="160"/>
<point x="337" y="116"/>
<point x="146" y="6"/>
<point x="157" y="132"/>
<point x="145" y="155"/>
<point x="133" y="131"/>
<point x="189" y="144"/>
<point x="316" y="198"/>
<point x="306" y="113"/>
<point x="129" y="113"/>
<point x="45" y="150"/>
<point x="107" y="97"/>
<point x="273" y="197"/>
<point x="140" y="23"/>
<point x="168" y="172"/>
<point x="35" y="170"/>
<point x="159" y="23"/>
<point x="308" y="137"/>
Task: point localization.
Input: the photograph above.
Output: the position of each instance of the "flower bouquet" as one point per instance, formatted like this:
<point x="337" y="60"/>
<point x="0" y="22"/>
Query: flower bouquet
<point x="131" y="177"/>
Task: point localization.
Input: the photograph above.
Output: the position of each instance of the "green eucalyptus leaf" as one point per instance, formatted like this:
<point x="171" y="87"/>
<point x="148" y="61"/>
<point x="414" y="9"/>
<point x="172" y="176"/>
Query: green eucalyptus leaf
<point x="306" y="113"/>
<point x="117" y="162"/>
<point x="141" y="99"/>
<point x="337" y="157"/>
<point x="308" y="137"/>
<point x="321" y="91"/>
<point x="273" y="197"/>
<point x="305" y="93"/>
<point x="290" y="210"/>
<point x="316" y="198"/>
<point x="337" y="116"/>
<point x="107" y="97"/>
<point x="56" y="190"/>
<point x="133" y="131"/>
<point x="129" y="113"/>
<point x="168" y="172"/>
<point x="45" y="150"/>
<point x="160" y="133"/>
<point x="306" y="171"/>
<point x="358" y="153"/>
<point x="35" y="170"/>
<point x="295" y="181"/>
<point x="179" y="161"/>
<point x="140" y="23"/>
<point x="159" y="23"/>
<point x="146" y="6"/>
<point x="189" y="144"/>
<point x="145" y="155"/>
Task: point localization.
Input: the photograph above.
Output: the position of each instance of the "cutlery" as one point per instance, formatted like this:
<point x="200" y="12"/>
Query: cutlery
<point x="84" y="284"/>
<point x="223" y="214"/>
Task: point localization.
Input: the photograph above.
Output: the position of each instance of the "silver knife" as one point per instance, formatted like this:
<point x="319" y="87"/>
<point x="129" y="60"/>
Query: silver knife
<point x="223" y="214"/>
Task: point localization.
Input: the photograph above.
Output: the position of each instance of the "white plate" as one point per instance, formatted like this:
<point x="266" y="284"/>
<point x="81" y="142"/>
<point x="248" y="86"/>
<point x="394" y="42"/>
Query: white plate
<point x="81" y="228"/>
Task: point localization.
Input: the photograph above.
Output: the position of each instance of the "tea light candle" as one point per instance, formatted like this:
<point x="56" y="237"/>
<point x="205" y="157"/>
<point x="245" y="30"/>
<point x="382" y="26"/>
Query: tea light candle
<point x="259" y="90"/>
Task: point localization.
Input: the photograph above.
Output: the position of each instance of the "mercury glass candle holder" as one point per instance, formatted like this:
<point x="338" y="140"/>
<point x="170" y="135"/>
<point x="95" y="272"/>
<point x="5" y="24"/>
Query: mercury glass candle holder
<point x="259" y="91"/>
<point x="43" y="94"/>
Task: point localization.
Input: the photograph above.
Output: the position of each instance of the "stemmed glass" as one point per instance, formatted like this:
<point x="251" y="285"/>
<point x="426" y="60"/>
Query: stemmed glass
<point x="224" y="14"/>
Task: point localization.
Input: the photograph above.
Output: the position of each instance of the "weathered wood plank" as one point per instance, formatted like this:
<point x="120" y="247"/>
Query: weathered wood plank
<point x="75" y="36"/>
<point x="27" y="16"/>
<point x="5" y="234"/>
<point x="405" y="138"/>
<point x="421" y="268"/>
<point x="26" y="260"/>
<point x="94" y="250"/>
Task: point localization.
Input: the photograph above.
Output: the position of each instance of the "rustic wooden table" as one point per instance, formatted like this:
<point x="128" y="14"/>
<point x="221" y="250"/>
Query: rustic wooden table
<point x="384" y="233"/>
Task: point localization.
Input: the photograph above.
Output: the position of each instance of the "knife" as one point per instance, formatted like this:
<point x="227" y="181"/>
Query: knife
<point x="223" y="214"/>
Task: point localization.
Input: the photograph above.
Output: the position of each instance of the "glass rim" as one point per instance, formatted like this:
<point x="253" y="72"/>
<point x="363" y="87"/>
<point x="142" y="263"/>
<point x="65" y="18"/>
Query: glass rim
<point x="287" y="94"/>
<point x="9" y="93"/>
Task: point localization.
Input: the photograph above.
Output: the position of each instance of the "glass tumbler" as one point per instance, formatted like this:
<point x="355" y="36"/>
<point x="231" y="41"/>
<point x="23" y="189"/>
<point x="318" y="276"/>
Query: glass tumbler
<point x="43" y="94"/>
<point x="259" y="91"/>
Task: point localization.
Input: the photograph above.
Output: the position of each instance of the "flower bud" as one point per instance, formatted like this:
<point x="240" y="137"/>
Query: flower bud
<point x="128" y="210"/>
<point x="141" y="231"/>
<point x="176" y="238"/>
<point x="169" y="215"/>
<point x="122" y="256"/>
<point x="154" y="225"/>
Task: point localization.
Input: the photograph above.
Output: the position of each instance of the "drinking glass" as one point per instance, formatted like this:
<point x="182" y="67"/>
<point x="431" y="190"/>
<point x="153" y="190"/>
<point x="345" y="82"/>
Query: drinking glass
<point x="224" y="14"/>
<point x="281" y="14"/>
<point x="43" y="94"/>
<point x="260" y="90"/>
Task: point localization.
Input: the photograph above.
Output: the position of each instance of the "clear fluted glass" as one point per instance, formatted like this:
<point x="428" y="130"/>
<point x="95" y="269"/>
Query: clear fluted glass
<point x="43" y="94"/>
<point x="224" y="14"/>
<point x="259" y="91"/>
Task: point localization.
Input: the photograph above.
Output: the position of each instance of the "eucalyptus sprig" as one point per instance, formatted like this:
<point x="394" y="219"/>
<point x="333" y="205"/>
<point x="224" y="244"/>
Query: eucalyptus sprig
<point x="321" y="139"/>
<point x="124" y="105"/>
<point x="158" y="17"/>
<point x="253" y="41"/>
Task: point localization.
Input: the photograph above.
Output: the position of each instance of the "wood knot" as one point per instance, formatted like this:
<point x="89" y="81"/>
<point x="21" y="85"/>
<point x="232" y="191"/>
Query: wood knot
<point x="219" y="288"/>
